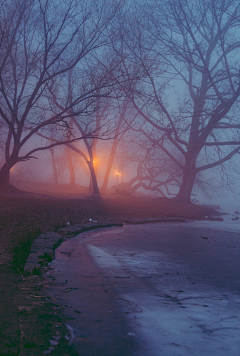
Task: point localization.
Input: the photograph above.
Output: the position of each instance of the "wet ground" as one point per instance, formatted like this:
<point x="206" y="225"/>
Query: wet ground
<point x="156" y="289"/>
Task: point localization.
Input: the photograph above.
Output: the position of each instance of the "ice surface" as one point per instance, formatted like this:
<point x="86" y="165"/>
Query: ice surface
<point x="165" y="313"/>
<point x="173" y="323"/>
<point x="201" y="325"/>
<point x="226" y="225"/>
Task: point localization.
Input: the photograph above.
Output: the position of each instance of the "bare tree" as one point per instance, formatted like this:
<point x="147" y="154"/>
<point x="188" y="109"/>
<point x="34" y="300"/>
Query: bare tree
<point x="60" y="163"/>
<point x="107" y="122"/>
<point x="154" y="171"/>
<point x="124" y="118"/>
<point x="53" y="159"/>
<point x="41" y="41"/>
<point x="54" y="165"/>
<point x="188" y="55"/>
<point x="91" y="128"/>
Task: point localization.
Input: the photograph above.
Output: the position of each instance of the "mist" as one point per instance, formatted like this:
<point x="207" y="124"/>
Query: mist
<point x="119" y="177"/>
<point x="115" y="103"/>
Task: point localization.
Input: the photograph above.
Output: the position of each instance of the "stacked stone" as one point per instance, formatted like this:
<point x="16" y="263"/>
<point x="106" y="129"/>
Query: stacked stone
<point x="42" y="248"/>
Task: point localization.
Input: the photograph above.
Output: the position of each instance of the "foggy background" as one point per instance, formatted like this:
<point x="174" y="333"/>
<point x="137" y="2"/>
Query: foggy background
<point x="128" y="97"/>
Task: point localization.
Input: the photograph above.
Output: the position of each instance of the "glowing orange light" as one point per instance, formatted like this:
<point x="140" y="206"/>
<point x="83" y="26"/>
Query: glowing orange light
<point x="117" y="173"/>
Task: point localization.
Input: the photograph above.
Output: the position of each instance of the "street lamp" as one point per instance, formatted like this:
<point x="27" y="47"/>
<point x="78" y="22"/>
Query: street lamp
<point x="117" y="177"/>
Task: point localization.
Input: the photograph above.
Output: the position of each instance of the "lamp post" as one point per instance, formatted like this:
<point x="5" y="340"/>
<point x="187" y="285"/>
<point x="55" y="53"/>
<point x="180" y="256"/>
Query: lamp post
<point x="117" y="177"/>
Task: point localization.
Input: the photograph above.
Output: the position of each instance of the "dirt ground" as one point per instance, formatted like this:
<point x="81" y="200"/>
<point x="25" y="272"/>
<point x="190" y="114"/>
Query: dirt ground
<point x="23" y="218"/>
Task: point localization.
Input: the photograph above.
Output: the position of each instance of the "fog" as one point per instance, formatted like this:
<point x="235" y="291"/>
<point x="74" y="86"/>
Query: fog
<point x="37" y="175"/>
<point x="121" y="99"/>
<point x="120" y="113"/>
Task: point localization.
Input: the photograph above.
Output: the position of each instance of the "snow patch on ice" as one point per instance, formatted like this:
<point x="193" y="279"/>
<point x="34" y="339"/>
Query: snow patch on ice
<point x="103" y="258"/>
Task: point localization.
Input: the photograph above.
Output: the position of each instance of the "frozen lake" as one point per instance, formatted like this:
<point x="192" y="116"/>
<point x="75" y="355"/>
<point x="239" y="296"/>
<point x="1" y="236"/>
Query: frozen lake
<point x="161" y="289"/>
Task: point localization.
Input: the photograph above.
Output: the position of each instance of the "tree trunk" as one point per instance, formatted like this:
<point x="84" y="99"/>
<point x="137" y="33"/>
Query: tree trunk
<point x="112" y="153"/>
<point x="70" y="167"/>
<point x="5" y="185"/>
<point x="93" y="189"/>
<point x="55" y="175"/>
<point x="187" y="184"/>
<point x="5" y="177"/>
<point x="109" y="168"/>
